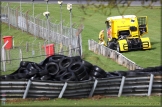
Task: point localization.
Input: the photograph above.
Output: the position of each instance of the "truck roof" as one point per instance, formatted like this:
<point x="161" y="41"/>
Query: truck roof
<point x="120" y="17"/>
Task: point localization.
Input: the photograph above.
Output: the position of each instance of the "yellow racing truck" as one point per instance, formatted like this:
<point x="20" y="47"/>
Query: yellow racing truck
<point x="125" y="33"/>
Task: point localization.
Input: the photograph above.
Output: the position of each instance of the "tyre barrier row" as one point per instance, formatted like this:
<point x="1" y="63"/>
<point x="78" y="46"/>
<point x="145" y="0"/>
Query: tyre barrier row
<point x="64" y="68"/>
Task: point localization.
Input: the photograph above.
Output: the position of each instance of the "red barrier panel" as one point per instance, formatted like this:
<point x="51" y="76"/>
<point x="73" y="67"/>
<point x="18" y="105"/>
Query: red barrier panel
<point x="49" y="49"/>
<point x="9" y="44"/>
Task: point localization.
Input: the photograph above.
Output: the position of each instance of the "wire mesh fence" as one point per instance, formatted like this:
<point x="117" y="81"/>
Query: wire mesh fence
<point x="68" y="42"/>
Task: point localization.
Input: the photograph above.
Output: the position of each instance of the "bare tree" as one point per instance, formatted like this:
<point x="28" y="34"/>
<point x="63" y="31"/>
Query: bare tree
<point x="105" y="6"/>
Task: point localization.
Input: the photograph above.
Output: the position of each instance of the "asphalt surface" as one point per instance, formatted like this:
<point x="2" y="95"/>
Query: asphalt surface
<point x="134" y="3"/>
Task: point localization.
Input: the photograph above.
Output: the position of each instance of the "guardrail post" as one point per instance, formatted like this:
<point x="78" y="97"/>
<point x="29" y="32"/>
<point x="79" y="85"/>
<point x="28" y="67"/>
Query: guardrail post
<point x="27" y="89"/>
<point x="4" y="56"/>
<point x="63" y="90"/>
<point x="150" y="84"/>
<point x="93" y="88"/>
<point x="121" y="86"/>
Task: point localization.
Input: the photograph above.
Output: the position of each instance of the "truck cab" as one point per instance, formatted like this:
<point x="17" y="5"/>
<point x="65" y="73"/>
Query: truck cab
<point x="123" y="29"/>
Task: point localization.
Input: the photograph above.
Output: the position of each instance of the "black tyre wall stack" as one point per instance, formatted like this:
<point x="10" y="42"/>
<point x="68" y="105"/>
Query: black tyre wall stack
<point x="63" y="68"/>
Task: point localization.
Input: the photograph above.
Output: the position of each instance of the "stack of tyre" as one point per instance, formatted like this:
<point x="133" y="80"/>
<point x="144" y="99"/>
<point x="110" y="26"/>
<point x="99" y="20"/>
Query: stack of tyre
<point x="57" y="68"/>
<point x="64" y="68"/>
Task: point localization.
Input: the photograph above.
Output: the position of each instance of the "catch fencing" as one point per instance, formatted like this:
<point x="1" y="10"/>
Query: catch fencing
<point x="116" y="56"/>
<point x="121" y="86"/>
<point x="29" y="51"/>
<point x="66" y="40"/>
<point x="41" y="28"/>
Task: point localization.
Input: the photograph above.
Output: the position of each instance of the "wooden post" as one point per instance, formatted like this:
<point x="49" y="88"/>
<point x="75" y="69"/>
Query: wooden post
<point x="27" y="47"/>
<point x="61" y="48"/>
<point x="70" y="50"/>
<point x="8" y="56"/>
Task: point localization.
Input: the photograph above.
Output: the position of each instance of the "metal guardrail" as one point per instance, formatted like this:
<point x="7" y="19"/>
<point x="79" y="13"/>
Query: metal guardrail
<point x="116" y="56"/>
<point x="121" y="86"/>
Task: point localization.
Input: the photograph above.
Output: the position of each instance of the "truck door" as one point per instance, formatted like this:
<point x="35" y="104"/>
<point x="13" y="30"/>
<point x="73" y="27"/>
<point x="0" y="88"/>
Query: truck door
<point x="142" y="24"/>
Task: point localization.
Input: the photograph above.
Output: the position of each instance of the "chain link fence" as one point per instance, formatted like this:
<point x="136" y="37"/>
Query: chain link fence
<point x="68" y="42"/>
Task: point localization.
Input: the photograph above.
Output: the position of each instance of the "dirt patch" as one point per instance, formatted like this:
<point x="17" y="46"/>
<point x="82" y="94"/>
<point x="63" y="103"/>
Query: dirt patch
<point x="98" y="97"/>
<point x="19" y="100"/>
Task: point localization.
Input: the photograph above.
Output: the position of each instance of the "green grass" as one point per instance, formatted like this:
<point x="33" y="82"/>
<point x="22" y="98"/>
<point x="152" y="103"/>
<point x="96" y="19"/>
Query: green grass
<point x="94" y="101"/>
<point x="93" y="23"/>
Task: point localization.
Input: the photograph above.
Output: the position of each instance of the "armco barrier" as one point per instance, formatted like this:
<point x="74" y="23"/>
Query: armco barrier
<point x="121" y="86"/>
<point x="116" y="56"/>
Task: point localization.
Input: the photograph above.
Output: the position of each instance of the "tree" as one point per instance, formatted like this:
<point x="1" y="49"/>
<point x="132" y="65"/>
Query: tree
<point x="105" y="6"/>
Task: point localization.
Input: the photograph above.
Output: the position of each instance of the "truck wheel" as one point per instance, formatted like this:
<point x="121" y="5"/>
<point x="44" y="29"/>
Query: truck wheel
<point x="111" y="45"/>
<point x="118" y="47"/>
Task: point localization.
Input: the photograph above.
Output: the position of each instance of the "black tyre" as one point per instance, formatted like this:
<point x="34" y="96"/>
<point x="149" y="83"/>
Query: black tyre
<point x="87" y="64"/>
<point x="98" y="69"/>
<point x="118" y="47"/>
<point x="138" y="70"/>
<point x="43" y="72"/>
<point x="24" y="63"/>
<point x="69" y="76"/>
<point x="37" y="66"/>
<point x="56" y="58"/>
<point x="52" y="68"/>
<point x="44" y="62"/>
<point x="91" y="78"/>
<point x="16" y="76"/>
<point x="45" y="77"/>
<point x="122" y="73"/>
<point x="21" y="70"/>
<point x="150" y="69"/>
<point x="115" y="74"/>
<point x="65" y="62"/>
<point x="82" y="74"/>
<point x="60" y="74"/>
<point x="76" y="67"/>
<point x="35" y="77"/>
<point x="32" y="72"/>
<point x="159" y="68"/>
<point x="131" y="73"/>
<point x="143" y="73"/>
<point x="23" y="73"/>
<point x="2" y="77"/>
<point x="86" y="77"/>
<point x="108" y="75"/>
<point x="111" y="45"/>
<point x="8" y="77"/>
<point x="76" y="58"/>
<point x="30" y="67"/>
<point x="87" y="70"/>
<point x="97" y="74"/>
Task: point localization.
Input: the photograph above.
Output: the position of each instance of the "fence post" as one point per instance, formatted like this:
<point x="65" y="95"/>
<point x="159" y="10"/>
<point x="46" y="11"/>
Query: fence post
<point x="20" y="55"/>
<point x="93" y="88"/>
<point x="40" y="48"/>
<point x="63" y="90"/>
<point x="27" y="89"/>
<point x="150" y="84"/>
<point x="70" y="50"/>
<point x="4" y="56"/>
<point x="61" y="49"/>
<point x="27" y="47"/>
<point x="8" y="56"/>
<point x="121" y="86"/>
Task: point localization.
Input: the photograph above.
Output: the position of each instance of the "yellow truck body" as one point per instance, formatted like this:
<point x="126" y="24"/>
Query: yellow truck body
<point x="125" y="33"/>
